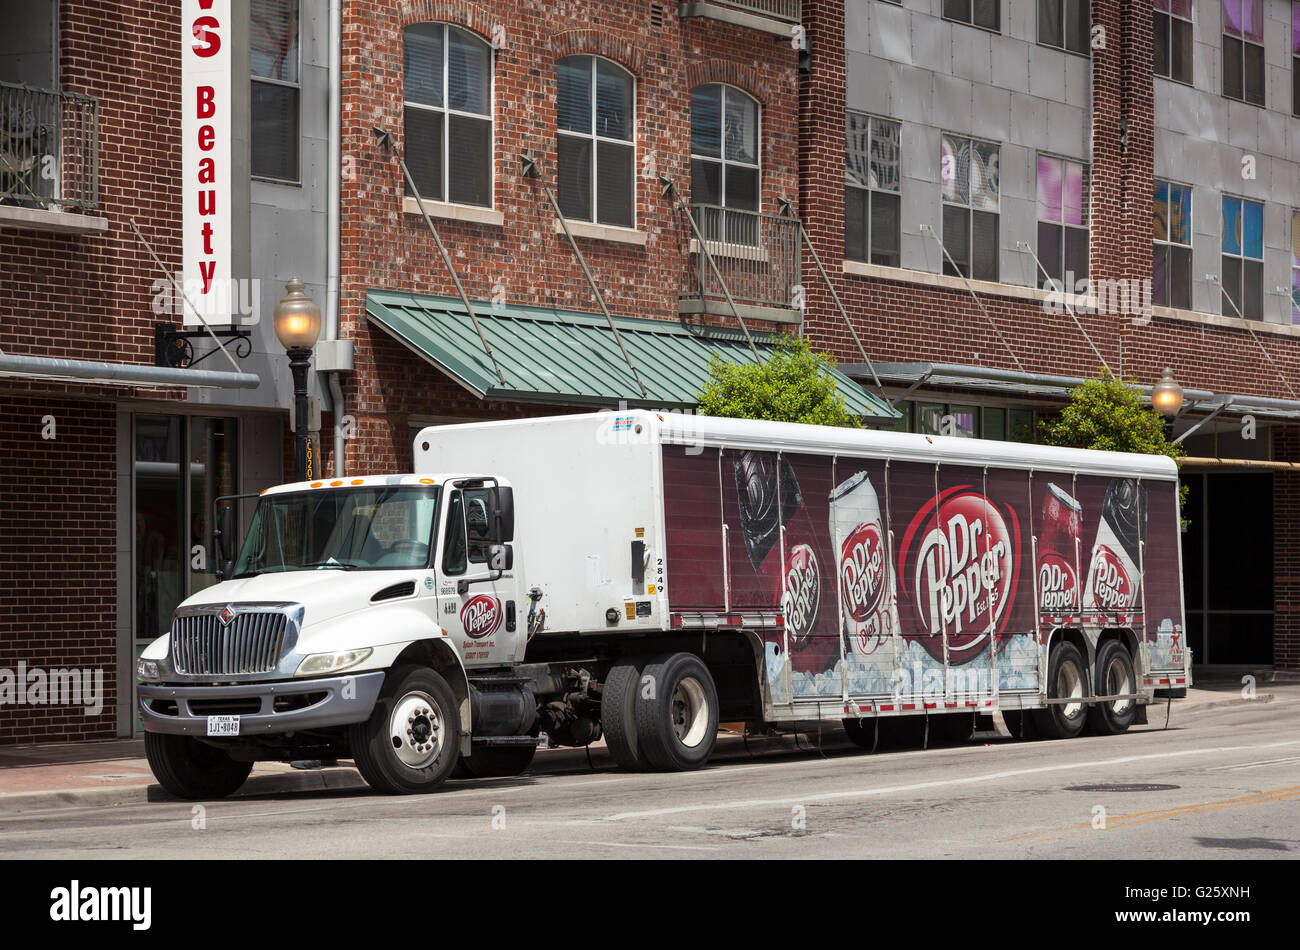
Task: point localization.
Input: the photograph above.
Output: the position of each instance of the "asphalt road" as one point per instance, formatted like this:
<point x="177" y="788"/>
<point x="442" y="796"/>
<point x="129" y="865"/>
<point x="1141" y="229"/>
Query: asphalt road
<point x="1227" y="786"/>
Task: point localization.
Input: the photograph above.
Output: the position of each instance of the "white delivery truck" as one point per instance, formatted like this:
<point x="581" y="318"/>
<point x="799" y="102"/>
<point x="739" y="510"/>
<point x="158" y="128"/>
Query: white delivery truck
<point x="643" y="576"/>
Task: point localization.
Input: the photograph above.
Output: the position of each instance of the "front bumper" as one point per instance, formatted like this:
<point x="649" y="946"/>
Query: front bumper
<point x="263" y="708"/>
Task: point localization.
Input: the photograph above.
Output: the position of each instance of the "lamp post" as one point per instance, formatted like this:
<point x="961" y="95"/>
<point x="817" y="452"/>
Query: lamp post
<point x="1167" y="399"/>
<point x="297" y="326"/>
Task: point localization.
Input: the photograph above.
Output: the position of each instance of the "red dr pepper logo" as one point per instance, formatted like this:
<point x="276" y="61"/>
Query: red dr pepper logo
<point x="481" y="616"/>
<point x="862" y="571"/>
<point x="1110" y="582"/>
<point x="1058" y="587"/>
<point x="803" y="593"/>
<point x="962" y="561"/>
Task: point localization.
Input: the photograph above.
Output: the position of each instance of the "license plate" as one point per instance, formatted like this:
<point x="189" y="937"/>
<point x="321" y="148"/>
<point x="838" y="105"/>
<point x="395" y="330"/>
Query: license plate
<point x="223" y="725"/>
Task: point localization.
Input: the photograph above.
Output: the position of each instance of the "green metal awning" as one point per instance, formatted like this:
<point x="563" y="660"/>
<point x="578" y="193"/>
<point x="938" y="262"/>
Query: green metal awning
<point x="561" y="357"/>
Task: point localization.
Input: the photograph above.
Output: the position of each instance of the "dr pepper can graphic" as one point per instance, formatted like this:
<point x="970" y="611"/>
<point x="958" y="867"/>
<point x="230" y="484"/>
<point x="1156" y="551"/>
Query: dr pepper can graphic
<point x="1113" y="577"/>
<point x="1059" y="590"/>
<point x="862" y="564"/>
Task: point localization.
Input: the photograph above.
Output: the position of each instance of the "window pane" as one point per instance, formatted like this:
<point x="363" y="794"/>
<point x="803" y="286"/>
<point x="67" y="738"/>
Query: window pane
<point x="1295" y="85"/>
<point x="424" y="151"/>
<point x="1160" y="275"/>
<point x="929" y="418"/>
<point x="1180" y="214"/>
<point x="1020" y="423"/>
<point x="957" y="10"/>
<point x="706" y="121"/>
<point x="1232" y="226"/>
<point x="422" y="58"/>
<point x="995" y="424"/>
<point x="742" y="127"/>
<point x="954" y="169"/>
<point x="574" y="177"/>
<point x="1232" y="17"/>
<point x="984" y="177"/>
<point x="1077" y="27"/>
<point x="886" y="155"/>
<point x="1049" y="189"/>
<point x="1295" y="296"/>
<point x="1231" y="279"/>
<point x="1049" y="22"/>
<point x="1049" y="251"/>
<point x="1076" y="257"/>
<point x="1161" y="5"/>
<point x="1160" y="211"/>
<point x="1182" y="8"/>
<point x="469" y="72"/>
<point x="1232" y="68"/>
<point x="1180" y="51"/>
<point x="573" y="94"/>
<point x="1180" y="277"/>
<point x="275" y="132"/>
<point x="742" y="188"/>
<point x="706" y="183"/>
<point x="1160" y="34"/>
<point x="984" y="241"/>
<point x="273" y="39"/>
<point x="1252" y="290"/>
<point x="1254" y="78"/>
<point x="1252" y="229"/>
<point x="1295" y="27"/>
<point x="986" y="13"/>
<point x="613" y="102"/>
<point x="1252" y="19"/>
<point x="962" y="421"/>
<point x="1074" y="189"/>
<point x="855" y="224"/>
<point x="1295" y="239"/>
<point x="857" y="143"/>
<point x="956" y="238"/>
<point x="469" y="178"/>
<point x="615" y="185"/>
<point x="885" y="225"/>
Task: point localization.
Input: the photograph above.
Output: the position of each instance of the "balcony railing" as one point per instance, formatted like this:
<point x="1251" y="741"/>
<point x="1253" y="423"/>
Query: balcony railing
<point x="49" y="148"/>
<point x="771" y="16"/>
<point x="759" y="257"/>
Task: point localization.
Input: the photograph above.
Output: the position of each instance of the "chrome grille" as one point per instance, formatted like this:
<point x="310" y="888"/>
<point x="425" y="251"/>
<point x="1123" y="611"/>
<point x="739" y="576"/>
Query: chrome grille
<point x="251" y="643"/>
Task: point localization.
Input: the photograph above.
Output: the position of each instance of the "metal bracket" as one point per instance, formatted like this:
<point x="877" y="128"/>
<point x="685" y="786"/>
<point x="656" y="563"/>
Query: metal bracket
<point x="172" y="347"/>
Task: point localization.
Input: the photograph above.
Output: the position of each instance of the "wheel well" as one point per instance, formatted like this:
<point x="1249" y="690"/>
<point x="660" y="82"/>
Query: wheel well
<point x="439" y="656"/>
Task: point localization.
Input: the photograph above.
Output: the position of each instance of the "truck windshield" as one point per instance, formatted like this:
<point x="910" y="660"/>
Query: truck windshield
<point x="348" y="529"/>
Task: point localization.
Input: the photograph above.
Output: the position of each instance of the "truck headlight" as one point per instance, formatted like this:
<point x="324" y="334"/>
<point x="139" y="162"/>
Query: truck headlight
<point x="147" y="670"/>
<point x="332" y="662"/>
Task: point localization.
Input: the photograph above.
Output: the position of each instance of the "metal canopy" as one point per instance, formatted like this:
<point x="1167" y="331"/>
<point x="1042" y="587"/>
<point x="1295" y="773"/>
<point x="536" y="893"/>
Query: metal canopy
<point x="131" y="375"/>
<point x="568" y="358"/>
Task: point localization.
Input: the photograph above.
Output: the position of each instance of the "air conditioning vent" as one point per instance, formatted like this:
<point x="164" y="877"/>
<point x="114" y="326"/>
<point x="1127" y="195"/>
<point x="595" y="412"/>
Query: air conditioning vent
<point x="657" y="15"/>
<point x="404" y="589"/>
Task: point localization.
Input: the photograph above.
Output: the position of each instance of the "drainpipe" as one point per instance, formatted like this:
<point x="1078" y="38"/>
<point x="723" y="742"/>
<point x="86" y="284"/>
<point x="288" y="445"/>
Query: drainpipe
<point x="333" y="216"/>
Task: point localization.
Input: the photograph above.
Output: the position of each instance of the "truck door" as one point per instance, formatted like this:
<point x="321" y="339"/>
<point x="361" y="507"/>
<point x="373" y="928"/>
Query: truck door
<point x="478" y="601"/>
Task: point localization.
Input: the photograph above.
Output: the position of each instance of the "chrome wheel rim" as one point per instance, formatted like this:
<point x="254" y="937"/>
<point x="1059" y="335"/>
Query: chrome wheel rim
<point x="690" y="712"/>
<point x="1069" y="685"/>
<point x="416" y="730"/>
<point x="1119" y="681"/>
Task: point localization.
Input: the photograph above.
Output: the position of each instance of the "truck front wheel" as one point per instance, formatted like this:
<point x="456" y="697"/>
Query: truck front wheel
<point x="411" y="742"/>
<point x="192" y="769"/>
<point x="676" y="713"/>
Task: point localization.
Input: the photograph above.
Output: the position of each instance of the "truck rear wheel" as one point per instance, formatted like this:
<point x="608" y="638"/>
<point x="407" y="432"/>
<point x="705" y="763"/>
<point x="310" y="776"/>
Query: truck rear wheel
<point x="192" y="769"/>
<point x="411" y="742"/>
<point x="1067" y="679"/>
<point x="677" y="713"/>
<point x="618" y="713"/>
<point x="1114" y="676"/>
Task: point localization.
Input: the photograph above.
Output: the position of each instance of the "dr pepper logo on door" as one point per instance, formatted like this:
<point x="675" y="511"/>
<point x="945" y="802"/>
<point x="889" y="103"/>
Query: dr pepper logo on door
<point x="960" y="558"/>
<point x="481" y="616"/>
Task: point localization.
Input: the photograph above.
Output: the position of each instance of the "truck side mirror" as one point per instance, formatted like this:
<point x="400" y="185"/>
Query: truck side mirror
<point x="503" y="518"/>
<point x="225" y="538"/>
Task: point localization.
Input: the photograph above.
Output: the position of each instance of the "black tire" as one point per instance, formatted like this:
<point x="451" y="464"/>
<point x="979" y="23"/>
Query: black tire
<point x="497" y="761"/>
<point x="676" y="713"/>
<point x="618" y="713"/>
<point x="1066" y="676"/>
<point x="192" y="769"/>
<point x="1114" y="674"/>
<point x="416" y="765"/>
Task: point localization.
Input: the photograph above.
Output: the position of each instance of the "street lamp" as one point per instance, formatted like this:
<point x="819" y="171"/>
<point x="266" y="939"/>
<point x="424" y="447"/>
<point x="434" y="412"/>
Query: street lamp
<point x="297" y="325"/>
<point x="1167" y="399"/>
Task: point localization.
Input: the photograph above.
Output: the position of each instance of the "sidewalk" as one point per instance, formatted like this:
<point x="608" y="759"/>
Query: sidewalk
<point x="96" y="774"/>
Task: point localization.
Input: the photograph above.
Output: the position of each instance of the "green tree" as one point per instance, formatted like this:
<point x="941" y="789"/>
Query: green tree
<point x="794" y="384"/>
<point x="1107" y="413"/>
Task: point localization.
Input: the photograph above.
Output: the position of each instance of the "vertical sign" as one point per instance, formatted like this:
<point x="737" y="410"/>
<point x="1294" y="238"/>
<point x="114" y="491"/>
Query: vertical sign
<point x="206" y="97"/>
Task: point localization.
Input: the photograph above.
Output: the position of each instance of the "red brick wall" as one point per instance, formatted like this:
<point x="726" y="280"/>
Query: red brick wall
<point x="384" y="248"/>
<point x="58" y="563"/>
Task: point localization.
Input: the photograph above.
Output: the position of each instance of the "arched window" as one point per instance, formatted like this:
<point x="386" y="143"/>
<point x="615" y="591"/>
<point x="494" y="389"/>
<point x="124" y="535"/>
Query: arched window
<point x="725" y="169"/>
<point x="595" y="109"/>
<point x="448" y="113"/>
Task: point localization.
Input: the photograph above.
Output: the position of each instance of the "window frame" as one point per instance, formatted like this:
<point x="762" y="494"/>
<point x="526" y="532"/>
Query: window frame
<point x="1168" y="244"/>
<point x="1170" y="16"/>
<point x="725" y="234"/>
<point x="943" y="10"/>
<point x="1241" y="259"/>
<point x="284" y="84"/>
<point x="595" y="139"/>
<point x="869" y="231"/>
<point x="447" y="112"/>
<point x="1086" y="227"/>
<point x="1064" y="47"/>
<point x="971" y="211"/>
<point x="1225" y="37"/>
